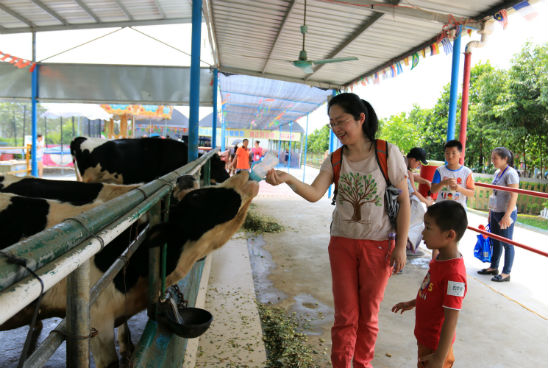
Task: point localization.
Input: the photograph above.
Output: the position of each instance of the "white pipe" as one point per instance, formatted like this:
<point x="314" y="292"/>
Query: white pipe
<point x="24" y="292"/>
<point x="486" y="29"/>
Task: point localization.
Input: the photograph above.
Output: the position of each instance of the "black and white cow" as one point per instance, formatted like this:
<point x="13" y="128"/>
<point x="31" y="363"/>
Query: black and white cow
<point x="202" y="221"/>
<point x="130" y="161"/>
<point x="73" y="192"/>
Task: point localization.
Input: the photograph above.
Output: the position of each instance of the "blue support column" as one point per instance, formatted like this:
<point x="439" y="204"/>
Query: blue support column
<point x="280" y="143"/>
<point x="194" y="100"/>
<point x="223" y="129"/>
<point x="34" y="96"/>
<point x="454" y="86"/>
<point x="290" y="145"/>
<point x="214" y="122"/>
<point x="305" y="146"/>
<point x="331" y="147"/>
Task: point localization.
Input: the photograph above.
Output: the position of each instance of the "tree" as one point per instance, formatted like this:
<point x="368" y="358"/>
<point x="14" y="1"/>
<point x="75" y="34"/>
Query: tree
<point x="318" y="141"/>
<point x="358" y="190"/>
<point x="524" y="107"/>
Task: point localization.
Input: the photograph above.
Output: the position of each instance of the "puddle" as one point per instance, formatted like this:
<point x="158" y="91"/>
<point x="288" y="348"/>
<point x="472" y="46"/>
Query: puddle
<point x="313" y="312"/>
<point x="261" y="265"/>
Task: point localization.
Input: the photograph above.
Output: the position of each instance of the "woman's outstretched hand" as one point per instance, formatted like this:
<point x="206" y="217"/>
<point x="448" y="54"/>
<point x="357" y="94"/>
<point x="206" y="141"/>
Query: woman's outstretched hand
<point x="276" y="177"/>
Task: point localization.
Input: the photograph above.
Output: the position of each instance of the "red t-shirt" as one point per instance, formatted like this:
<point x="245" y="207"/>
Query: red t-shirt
<point x="443" y="287"/>
<point x="257" y="153"/>
<point x="242" y="158"/>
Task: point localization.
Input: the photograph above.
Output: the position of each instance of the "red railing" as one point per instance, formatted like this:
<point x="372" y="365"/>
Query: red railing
<point x="515" y="190"/>
<point x="501" y="238"/>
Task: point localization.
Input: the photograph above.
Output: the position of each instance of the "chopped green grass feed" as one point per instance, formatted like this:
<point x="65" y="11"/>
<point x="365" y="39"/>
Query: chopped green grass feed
<point x="257" y="223"/>
<point x="285" y="346"/>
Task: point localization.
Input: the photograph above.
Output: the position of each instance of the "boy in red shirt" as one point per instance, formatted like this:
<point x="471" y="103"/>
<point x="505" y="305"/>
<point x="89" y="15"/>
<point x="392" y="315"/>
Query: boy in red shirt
<point x="440" y="296"/>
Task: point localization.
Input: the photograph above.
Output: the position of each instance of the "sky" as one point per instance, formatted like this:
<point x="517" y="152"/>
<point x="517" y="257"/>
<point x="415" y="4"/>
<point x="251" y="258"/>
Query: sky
<point x="421" y="86"/>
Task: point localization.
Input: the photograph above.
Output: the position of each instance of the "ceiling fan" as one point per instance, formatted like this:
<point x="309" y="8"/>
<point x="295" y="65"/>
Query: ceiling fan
<point x="306" y="65"/>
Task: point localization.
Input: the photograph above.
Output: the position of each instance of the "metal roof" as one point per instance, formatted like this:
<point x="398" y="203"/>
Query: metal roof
<point x="261" y="37"/>
<point x="18" y="16"/>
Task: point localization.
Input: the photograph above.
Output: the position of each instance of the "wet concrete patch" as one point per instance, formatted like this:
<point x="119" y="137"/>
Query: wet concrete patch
<point x="315" y="314"/>
<point x="261" y="265"/>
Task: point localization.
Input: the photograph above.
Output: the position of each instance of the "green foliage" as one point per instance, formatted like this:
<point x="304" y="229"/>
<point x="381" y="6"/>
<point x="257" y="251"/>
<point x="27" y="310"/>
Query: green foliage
<point x="15" y="123"/>
<point x="506" y="108"/>
<point x="318" y="141"/>
<point x="285" y="345"/>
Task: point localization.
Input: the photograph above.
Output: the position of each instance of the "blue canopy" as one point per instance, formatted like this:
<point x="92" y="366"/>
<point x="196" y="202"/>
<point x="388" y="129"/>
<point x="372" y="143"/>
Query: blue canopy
<point x="266" y="104"/>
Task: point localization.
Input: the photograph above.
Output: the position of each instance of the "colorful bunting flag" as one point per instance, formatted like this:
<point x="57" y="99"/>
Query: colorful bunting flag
<point x="393" y="70"/>
<point x="399" y="67"/>
<point x="406" y="61"/>
<point x="526" y="10"/>
<point x="415" y="61"/>
<point x="447" y="46"/>
<point x="17" y="62"/>
<point x="435" y="49"/>
<point x="502" y="16"/>
<point x="376" y="78"/>
<point x="423" y="52"/>
<point x="363" y="82"/>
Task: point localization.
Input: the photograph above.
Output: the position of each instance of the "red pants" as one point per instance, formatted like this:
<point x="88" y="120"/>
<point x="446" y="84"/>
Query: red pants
<point x="423" y="351"/>
<point x="360" y="270"/>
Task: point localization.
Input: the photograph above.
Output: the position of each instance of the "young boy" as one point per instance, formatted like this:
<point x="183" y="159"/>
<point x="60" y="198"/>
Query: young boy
<point x="454" y="181"/>
<point x="440" y="296"/>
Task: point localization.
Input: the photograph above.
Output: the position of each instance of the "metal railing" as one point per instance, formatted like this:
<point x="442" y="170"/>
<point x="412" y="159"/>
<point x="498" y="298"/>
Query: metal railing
<point x="65" y="249"/>
<point x="501" y="238"/>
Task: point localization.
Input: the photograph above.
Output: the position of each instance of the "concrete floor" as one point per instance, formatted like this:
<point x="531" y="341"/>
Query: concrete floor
<point x="501" y="324"/>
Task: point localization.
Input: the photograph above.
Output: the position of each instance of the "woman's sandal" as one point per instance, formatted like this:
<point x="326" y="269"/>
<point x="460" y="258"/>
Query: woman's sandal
<point x="499" y="278"/>
<point x="487" y="271"/>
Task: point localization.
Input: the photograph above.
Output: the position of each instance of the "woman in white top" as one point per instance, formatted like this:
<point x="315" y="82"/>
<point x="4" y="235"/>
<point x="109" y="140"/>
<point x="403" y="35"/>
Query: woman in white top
<point x="361" y="255"/>
<point x="502" y="213"/>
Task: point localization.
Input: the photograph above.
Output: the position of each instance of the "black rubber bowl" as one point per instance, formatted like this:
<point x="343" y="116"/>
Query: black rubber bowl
<point x="196" y="321"/>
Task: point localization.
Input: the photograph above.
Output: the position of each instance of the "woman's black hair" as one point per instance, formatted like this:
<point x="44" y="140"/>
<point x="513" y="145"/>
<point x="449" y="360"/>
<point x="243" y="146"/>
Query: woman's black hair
<point x="505" y="153"/>
<point x="352" y="104"/>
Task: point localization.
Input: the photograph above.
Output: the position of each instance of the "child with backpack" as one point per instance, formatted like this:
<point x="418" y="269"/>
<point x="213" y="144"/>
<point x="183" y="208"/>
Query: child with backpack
<point x="365" y="245"/>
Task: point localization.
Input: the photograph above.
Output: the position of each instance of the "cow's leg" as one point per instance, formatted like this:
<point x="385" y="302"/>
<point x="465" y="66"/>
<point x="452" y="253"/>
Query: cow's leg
<point x="125" y="344"/>
<point x="102" y="345"/>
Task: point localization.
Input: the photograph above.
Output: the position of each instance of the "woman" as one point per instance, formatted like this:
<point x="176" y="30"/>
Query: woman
<point x="502" y="213"/>
<point x="360" y="253"/>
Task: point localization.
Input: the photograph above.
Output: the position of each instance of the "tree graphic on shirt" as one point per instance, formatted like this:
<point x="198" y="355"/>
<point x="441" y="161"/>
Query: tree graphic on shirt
<point x="358" y="190"/>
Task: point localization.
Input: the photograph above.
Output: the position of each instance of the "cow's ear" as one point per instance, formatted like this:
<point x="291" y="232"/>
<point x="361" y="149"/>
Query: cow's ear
<point x="158" y="235"/>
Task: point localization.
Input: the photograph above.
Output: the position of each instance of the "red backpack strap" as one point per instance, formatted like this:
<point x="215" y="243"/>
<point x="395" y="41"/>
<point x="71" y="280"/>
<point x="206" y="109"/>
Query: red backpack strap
<point x="381" y="153"/>
<point x="336" y="163"/>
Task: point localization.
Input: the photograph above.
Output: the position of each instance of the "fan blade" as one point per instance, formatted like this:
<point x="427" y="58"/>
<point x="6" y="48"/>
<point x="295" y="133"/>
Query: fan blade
<point x="304" y="65"/>
<point x="335" y="60"/>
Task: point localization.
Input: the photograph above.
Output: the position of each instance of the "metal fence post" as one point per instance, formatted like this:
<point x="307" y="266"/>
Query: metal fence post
<point x="78" y="324"/>
<point x="154" y="258"/>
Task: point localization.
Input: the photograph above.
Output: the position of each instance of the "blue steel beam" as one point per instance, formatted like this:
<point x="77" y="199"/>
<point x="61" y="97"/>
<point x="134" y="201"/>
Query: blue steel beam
<point x="454" y="86"/>
<point x="331" y="147"/>
<point x="254" y="107"/>
<point x="290" y="145"/>
<point x="214" y="102"/>
<point x="273" y="98"/>
<point x="34" y="117"/>
<point x="223" y="129"/>
<point x="305" y="146"/>
<point x="194" y="100"/>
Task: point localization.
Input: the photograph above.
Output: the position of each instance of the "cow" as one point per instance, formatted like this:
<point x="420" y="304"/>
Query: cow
<point x="200" y="222"/>
<point x="130" y="161"/>
<point x="73" y="192"/>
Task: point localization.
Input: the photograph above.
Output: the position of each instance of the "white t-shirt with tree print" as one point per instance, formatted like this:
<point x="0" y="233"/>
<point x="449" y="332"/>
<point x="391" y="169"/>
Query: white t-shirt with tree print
<point x="359" y="212"/>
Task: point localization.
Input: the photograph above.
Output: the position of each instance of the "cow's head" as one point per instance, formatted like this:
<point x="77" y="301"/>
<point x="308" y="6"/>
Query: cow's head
<point x="202" y="221"/>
